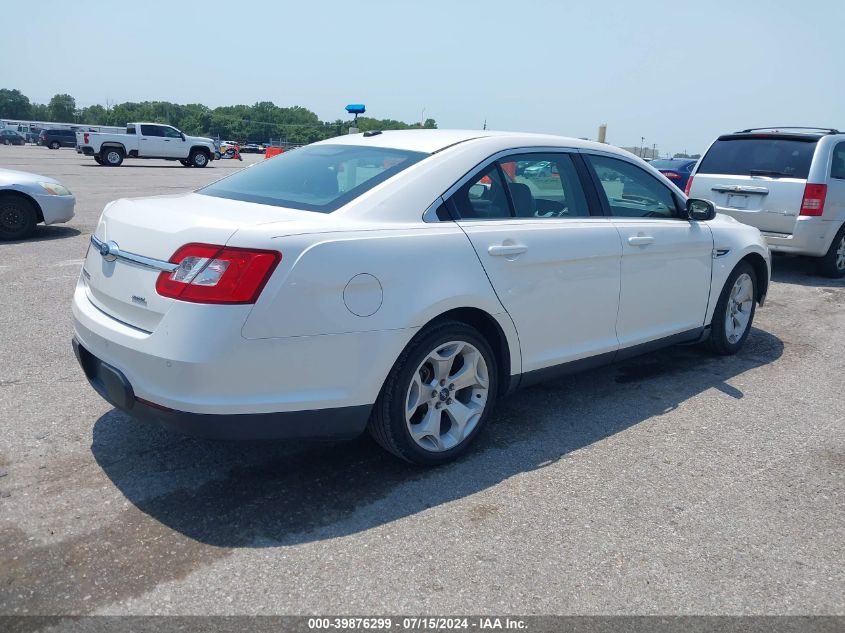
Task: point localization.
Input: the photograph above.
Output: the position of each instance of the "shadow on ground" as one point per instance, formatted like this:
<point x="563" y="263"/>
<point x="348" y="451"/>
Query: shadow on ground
<point x="268" y="494"/>
<point x="45" y="233"/>
<point x="801" y="271"/>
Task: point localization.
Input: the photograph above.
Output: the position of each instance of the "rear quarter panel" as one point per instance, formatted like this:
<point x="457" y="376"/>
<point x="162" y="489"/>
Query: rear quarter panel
<point x="421" y="272"/>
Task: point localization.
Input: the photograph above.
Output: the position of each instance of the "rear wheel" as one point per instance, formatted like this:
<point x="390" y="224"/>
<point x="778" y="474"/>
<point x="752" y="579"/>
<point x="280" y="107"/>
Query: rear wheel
<point x="55" y="145"/>
<point x="198" y="158"/>
<point x="833" y="263"/>
<point x="18" y="218"/>
<point x="113" y="156"/>
<point x="735" y="311"/>
<point x="438" y="396"/>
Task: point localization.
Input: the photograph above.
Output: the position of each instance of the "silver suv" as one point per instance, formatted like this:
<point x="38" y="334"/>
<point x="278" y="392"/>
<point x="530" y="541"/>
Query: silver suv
<point x="788" y="182"/>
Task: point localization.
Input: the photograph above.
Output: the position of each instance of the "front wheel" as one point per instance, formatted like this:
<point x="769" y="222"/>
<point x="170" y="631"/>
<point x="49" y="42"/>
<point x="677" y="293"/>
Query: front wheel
<point x="734" y="311"/>
<point x="198" y="159"/>
<point x="185" y="163"/>
<point x="438" y="395"/>
<point x="55" y="145"/>
<point x="833" y="262"/>
<point x="17" y="218"/>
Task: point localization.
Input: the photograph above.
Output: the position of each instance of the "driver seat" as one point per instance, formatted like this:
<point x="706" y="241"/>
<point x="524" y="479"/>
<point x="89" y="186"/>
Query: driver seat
<point x="523" y="200"/>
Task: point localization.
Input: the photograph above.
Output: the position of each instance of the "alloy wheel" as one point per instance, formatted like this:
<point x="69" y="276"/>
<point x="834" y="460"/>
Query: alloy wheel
<point x="738" y="311"/>
<point x="447" y="396"/>
<point x="840" y="254"/>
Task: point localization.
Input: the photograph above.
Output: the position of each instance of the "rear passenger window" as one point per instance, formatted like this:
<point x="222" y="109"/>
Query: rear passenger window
<point x="483" y="197"/>
<point x="544" y="186"/>
<point x="631" y="192"/>
<point x="837" y="169"/>
<point x="151" y="130"/>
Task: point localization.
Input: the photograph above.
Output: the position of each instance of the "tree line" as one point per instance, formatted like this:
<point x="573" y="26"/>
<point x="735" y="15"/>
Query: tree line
<point x="255" y="123"/>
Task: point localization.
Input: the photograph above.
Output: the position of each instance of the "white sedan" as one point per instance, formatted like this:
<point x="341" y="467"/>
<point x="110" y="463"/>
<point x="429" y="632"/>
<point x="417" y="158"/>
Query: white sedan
<point x="27" y="199"/>
<point x="401" y="282"/>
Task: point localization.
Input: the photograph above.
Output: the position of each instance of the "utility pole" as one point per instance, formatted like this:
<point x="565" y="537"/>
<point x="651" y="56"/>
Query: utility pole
<point x="654" y="150"/>
<point x="642" y="145"/>
<point x="485" y="125"/>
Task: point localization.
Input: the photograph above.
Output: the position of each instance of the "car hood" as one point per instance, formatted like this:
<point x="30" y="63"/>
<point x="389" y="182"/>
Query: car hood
<point x="12" y="177"/>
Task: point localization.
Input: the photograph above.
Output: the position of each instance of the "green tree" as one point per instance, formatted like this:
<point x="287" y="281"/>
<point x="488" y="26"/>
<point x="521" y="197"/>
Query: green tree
<point x="62" y="108"/>
<point x="14" y="104"/>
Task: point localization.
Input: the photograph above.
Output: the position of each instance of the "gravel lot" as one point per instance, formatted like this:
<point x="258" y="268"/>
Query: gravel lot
<point x="677" y="483"/>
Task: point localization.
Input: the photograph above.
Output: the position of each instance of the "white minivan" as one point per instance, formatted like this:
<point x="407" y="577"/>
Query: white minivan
<point x="787" y="182"/>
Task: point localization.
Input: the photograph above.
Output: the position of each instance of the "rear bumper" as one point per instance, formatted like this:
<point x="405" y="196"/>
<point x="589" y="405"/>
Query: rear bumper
<point x="115" y="388"/>
<point x="812" y="236"/>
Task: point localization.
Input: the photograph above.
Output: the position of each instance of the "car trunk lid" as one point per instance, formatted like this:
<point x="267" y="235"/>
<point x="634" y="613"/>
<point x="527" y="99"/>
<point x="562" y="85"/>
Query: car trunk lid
<point x="154" y="229"/>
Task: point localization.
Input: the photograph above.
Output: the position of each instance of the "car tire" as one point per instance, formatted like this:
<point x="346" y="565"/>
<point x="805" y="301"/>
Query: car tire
<point x="198" y="158"/>
<point x="735" y="310"/>
<point x="99" y="160"/>
<point x="6" y="141"/>
<point x="833" y="263"/>
<point x="55" y="145"/>
<point x="113" y="157"/>
<point x="18" y="218"/>
<point x="427" y="390"/>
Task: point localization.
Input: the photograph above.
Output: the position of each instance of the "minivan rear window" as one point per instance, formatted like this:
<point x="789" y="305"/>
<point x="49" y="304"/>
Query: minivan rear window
<point x="319" y="178"/>
<point x="753" y="156"/>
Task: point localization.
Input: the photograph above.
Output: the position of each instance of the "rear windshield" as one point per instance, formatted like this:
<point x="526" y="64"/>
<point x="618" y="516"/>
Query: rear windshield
<point x="670" y="164"/>
<point x="776" y="157"/>
<point x="319" y="178"/>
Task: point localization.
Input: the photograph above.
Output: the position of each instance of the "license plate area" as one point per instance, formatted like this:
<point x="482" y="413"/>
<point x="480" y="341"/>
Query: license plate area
<point x="737" y="201"/>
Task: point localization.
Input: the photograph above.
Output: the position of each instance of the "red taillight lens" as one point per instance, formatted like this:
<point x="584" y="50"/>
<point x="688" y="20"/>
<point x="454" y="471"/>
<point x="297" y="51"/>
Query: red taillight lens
<point x="209" y="273"/>
<point x="813" y="202"/>
<point x="671" y="175"/>
<point x="85" y="138"/>
<point x="688" y="187"/>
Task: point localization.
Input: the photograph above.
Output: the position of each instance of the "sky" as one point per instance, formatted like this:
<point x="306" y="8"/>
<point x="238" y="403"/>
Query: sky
<point x="676" y="73"/>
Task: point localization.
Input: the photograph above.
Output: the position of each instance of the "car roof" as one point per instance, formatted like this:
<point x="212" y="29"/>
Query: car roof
<point x="431" y="141"/>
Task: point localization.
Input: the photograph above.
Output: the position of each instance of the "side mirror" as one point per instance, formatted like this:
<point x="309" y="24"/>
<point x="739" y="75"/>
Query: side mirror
<point x="700" y="210"/>
<point x="182" y="134"/>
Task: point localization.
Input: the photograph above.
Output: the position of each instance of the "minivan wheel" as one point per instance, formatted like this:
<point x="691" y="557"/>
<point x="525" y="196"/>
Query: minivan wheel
<point x="17" y="218"/>
<point x="113" y="156"/>
<point x="198" y="158"/>
<point x="438" y="395"/>
<point x="735" y="311"/>
<point x="833" y="262"/>
<point x="55" y="145"/>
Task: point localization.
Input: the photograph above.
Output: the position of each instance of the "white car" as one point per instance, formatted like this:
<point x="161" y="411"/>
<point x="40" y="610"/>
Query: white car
<point x="27" y="199"/>
<point x="402" y="282"/>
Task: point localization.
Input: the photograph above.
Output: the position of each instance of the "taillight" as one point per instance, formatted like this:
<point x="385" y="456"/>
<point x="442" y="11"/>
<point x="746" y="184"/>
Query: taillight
<point x="671" y="175"/>
<point x="85" y="138"/>
<point x="688" y="187"/>
<point x="813" y="202"/>
<point x="217" y="274"/>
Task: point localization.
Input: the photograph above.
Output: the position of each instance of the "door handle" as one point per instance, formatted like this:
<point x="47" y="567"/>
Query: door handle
<point x="640" y="240"/>
<point x="506" y="250"/>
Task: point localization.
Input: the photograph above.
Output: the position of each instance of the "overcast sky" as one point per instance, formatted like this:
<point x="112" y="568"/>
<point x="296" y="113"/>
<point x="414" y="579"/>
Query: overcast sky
<point x="677" y="73"/>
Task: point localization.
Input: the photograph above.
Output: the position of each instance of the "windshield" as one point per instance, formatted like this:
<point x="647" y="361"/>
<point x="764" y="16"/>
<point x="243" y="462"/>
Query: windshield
<point x="777" y="157"/>
<point x="319" y="178"/>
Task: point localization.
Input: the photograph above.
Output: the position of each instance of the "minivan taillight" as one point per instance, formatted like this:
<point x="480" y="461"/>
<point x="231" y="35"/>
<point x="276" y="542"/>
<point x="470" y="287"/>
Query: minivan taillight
<point x="208" y="273"/>
<point x="688" y="187"/>
<point x="813" y="202"/>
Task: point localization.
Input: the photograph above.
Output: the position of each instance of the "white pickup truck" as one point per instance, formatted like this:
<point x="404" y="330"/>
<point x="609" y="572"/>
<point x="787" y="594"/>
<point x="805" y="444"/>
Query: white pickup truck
<point x="146" y="140"/>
